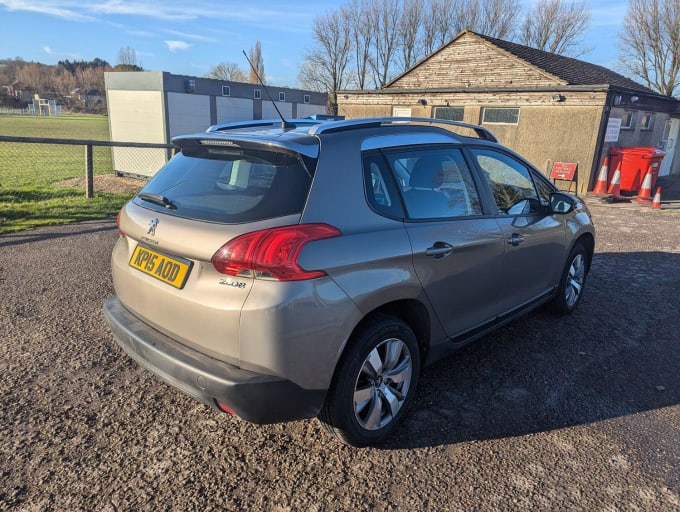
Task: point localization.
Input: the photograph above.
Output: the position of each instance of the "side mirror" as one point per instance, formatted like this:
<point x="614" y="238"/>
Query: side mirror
<point x="561" y="204"/>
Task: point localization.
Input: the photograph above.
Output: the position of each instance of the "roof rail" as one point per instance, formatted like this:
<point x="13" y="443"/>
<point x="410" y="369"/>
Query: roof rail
<point x="257" y="123"/>
<point x="370" y="122"/>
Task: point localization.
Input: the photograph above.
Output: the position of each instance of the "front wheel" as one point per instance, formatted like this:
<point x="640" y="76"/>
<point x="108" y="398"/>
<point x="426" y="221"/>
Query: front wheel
<point x="374" y="383"/>
<point x="570" y="289"/>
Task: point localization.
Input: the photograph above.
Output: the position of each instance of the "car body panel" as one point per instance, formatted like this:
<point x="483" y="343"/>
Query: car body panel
<point x="206" y="312"/>
<point x="459" y="284"/>
<point x="284" y="334"/>
<point x="269" y="349"/>
<point x="531" y="268"/>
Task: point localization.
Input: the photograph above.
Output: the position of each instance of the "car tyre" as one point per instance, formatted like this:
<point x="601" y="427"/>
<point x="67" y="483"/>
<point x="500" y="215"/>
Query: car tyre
<point x="374" y="383"/>
<point x="572" y="282"/>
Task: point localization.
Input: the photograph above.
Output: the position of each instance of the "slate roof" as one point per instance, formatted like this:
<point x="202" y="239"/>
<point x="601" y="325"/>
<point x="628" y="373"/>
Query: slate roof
<point x="573" y="71"/>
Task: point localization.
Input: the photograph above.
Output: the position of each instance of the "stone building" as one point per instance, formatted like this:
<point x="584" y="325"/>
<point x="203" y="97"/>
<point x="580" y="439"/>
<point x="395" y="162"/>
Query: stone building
<point x="547" y="107"/>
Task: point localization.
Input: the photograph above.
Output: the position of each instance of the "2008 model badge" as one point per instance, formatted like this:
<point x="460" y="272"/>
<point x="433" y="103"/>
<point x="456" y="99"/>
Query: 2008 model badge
<point x="232" y="283"/>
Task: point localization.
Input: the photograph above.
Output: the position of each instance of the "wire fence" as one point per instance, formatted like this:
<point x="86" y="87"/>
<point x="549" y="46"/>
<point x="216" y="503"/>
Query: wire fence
<point x="42" y="164"/>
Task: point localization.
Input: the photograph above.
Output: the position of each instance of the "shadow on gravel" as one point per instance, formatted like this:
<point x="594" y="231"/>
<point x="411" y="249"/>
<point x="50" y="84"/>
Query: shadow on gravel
<point x="617" y="355"/>
<point x="26" y="237"/>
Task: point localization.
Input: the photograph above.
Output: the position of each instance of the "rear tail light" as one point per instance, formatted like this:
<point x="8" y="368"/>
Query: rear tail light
<point x="271" y="253"/>
<point x="122" y="233"/>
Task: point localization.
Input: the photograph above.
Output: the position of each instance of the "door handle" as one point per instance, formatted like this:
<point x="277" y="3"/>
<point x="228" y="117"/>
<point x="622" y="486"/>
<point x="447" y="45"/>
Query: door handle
<point x="439" y="250"/>
<point x="515" y="239"/>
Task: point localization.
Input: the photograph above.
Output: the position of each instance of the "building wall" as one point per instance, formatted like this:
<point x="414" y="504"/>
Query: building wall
<point x="465" y="63"/>
<point x="187" y="113"/>
<point x="545" y="135"/>
<point x="268" y="111"/>
<point x="547" y="131"/>
<point x="139" y="117"/>
<point x="233" y="109"/>
<point x="154" y="106"/>
<point x="308" y="109"/>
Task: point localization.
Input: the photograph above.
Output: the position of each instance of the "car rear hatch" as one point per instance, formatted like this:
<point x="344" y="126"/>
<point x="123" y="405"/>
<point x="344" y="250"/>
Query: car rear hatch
<point x="214" y="191"/>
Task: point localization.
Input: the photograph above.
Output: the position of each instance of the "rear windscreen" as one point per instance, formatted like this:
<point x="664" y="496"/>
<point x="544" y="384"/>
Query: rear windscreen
<point x="229" y="185"/>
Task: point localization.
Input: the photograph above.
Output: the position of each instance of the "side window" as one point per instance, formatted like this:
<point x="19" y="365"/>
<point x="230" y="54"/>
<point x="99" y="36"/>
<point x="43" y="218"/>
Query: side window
<point x="435" y="183"/>
<point x="381" y="192"/>
<point x="510" y="182"/>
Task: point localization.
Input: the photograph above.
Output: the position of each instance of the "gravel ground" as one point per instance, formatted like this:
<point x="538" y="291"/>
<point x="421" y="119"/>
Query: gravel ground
<point x="549" y="413"/>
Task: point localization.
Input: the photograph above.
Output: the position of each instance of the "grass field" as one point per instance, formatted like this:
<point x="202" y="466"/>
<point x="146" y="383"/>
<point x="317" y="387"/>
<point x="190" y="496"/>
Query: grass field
<point x="30" y="195"/>
<point x="65" y="126"/>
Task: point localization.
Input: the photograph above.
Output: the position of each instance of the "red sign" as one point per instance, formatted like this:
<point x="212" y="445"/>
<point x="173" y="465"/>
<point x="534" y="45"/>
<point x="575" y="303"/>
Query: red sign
<point x="563" y="171"/>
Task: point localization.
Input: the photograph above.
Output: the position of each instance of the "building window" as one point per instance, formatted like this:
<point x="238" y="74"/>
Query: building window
<point x="306" y="99"/>
<point x="500" y="115"/>
<point x="449" y="113"/>
<point x="226" y="90"/>
<point x="257" y="94"/>
<point x="647" y="121"/>
<point x="627" y="120"/>
<point x="282" y="96"/>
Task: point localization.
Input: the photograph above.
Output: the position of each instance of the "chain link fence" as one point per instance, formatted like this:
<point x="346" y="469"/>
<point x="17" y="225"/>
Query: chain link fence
<point x="42" y="164"/>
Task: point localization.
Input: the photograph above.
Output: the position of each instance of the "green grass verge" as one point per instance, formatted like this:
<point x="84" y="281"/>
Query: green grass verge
<point x="30" y="207"/>
<point x="65" y="126"/>
<point x="28" y="172"/>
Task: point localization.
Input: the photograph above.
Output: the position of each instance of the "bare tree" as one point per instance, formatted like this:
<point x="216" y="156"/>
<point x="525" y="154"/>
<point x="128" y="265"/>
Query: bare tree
<point x="127" y="56"/>
<point x="384" y="16"/>
<point x="437" y="24"/>
<point x="556" y="26"/>
<point x="227" y="71"/>
<point x="497" y="18"/>
<point x="36" y="76"/>
<point x="63" y="81"/>
<point x="255" y="56"/>
<point x="325" y="65"/>
<point x="410" y="25"/>
<point x="650" y="43"/>
<point x="361" y="37"/>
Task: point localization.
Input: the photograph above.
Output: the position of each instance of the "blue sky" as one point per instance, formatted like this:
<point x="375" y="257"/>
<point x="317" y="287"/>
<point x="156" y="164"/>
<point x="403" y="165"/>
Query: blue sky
<point x="191" y="36"/>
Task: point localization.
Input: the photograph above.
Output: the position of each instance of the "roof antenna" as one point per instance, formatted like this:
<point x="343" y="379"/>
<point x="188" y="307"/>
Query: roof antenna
<point x="285" y="125"/>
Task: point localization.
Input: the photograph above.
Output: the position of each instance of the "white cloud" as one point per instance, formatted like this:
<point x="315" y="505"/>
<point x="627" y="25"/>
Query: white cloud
<point x="173" y="46"/>
<point x="65" y="10"/>
<point x="194" y="37"/>
<point x="47" y="50"/>
<point x="143" y="8"/>
<point x="297" y="14"/>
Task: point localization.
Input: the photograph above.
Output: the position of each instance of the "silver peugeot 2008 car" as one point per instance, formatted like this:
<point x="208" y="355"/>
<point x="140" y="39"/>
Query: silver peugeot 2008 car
<point x="312" y="269"/>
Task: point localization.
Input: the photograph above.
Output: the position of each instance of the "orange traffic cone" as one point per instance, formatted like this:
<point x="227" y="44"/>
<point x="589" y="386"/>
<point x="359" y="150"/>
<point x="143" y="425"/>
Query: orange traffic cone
<point x="601" y="183"/>
<point x="615" y="185"/>
<point x="645" y="193"/>
<point x="656" y="203"/>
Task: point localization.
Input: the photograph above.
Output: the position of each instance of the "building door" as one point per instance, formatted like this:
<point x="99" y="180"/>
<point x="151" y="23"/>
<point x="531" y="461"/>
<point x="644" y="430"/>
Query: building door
<point x="668" y="144"/>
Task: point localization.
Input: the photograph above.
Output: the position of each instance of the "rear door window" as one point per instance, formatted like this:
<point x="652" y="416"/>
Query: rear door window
<point x="435" y="183"/>
<point x="231" y="186"/>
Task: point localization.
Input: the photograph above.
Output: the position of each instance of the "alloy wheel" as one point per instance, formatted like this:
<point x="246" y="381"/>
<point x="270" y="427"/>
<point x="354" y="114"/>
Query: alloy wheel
<point x="575" y="280"/>
<point x="382" y="384"/>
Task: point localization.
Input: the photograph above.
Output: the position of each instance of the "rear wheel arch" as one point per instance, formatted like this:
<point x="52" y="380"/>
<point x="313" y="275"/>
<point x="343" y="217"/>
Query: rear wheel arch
<point x="410" y="311"/>
<point x="376" y="376"/>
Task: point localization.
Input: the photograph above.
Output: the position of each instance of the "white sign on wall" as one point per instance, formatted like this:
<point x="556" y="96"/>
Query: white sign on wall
<point x="613" y="129"/>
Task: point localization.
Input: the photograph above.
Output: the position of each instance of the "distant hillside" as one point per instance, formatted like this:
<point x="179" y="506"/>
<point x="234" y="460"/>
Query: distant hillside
<point x="78" y="86"/>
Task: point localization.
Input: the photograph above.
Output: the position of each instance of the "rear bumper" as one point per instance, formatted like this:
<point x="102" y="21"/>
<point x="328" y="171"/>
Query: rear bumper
<point x="255" y="397"/>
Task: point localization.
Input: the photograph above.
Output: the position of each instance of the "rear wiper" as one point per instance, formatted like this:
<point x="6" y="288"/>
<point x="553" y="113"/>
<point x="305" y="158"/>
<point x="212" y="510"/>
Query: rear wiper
<point x="158" y="199"/>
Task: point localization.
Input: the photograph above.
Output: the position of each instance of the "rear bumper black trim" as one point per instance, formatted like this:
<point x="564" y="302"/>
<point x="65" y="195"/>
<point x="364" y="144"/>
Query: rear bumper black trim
<point x="255" y="397"/>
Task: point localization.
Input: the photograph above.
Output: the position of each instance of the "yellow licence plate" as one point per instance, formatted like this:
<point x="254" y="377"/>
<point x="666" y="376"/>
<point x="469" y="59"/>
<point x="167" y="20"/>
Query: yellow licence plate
<point x="173" y="271"/>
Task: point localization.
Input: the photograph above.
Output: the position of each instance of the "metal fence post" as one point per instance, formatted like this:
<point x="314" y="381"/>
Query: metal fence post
<point x="89" y="172"/>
